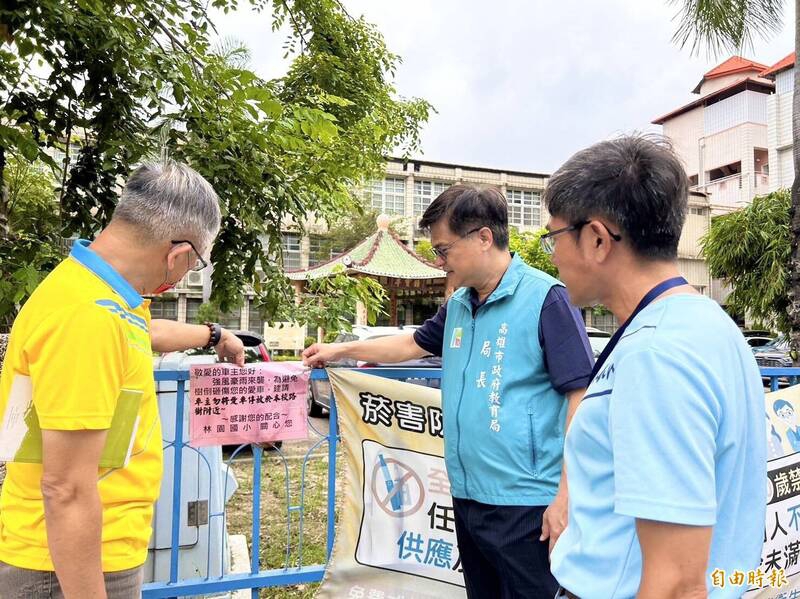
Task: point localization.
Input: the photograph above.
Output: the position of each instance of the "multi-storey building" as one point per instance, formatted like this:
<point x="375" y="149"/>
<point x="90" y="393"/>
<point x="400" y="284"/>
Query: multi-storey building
<point x="722" y="136"/>
<point x="779" y="123"/>
<point x="690" y="261"/>
<point x="408" y="188"/>
<point x="421" y="181"/>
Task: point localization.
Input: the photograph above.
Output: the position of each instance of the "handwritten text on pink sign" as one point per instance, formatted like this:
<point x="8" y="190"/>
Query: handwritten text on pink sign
<point x="255" y="404"/>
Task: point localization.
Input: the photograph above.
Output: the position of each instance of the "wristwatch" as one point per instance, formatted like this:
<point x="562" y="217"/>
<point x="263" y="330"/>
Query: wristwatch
<point x="215" y="334"/>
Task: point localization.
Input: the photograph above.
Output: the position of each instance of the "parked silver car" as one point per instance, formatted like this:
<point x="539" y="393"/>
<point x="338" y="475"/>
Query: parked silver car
<point x="319" y="399"/>
<point x="774" y="354"/>
<point x="758" y="341"/>
<point x="597" y="340"/>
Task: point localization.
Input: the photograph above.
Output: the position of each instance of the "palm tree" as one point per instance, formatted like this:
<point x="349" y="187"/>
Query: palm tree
<point x="730" y="26"/>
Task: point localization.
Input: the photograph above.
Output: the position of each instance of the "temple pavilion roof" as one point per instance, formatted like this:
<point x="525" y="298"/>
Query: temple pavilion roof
<point x="382" y="254"/>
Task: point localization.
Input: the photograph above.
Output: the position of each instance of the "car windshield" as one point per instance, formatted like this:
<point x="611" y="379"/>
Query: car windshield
<point x="778" y="344"/>
<point x="342" y="337"/>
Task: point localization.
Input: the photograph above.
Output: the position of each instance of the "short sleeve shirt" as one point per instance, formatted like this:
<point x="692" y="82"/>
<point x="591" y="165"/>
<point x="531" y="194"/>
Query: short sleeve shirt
<point x="671" y="429"/>
<point x="78" y="344"/>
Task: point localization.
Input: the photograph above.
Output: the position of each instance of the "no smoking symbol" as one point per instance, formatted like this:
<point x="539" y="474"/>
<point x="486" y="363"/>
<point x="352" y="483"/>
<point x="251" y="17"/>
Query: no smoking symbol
<point x="408" y="480"/>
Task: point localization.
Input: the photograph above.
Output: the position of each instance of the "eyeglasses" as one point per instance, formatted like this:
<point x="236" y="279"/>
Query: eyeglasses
<point x="441" y="252"/>
<point x="548" y="242"/>
<point x="202" y="263"/>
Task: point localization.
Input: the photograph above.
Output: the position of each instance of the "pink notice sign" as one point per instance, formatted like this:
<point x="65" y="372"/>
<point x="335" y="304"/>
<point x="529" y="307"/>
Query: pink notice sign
<point x="254" y="404"/>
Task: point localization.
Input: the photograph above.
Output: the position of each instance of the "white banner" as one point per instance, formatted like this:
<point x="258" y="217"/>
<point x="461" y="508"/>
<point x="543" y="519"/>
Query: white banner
<point x="396" y="534"/>
<point x="777" y="575"/>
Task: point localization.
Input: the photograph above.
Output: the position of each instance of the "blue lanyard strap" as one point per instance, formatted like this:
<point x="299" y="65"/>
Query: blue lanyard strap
<point x="646" y="301"/>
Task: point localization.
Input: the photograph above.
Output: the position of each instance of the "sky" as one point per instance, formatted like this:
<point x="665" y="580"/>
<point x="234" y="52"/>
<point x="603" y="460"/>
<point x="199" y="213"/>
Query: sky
<point x="522" y="85"/>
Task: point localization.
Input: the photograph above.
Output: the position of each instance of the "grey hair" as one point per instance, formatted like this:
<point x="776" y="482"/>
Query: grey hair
<point x="167" y="200"/>
<point x="636" y="182"/>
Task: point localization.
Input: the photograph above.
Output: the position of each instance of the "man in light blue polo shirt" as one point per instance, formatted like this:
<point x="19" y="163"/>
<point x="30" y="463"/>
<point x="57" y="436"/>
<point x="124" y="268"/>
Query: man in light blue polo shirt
<point x="666" y="455"/>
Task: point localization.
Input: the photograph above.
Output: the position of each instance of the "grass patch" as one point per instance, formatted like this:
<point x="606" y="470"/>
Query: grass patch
<point x="280" y="526"/>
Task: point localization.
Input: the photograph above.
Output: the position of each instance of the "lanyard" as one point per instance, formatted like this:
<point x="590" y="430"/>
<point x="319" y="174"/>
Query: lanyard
<point x="646" y="301"/>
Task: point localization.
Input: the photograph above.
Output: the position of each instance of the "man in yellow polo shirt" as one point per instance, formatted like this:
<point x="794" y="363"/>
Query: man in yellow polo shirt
<point x="80" y="423"/>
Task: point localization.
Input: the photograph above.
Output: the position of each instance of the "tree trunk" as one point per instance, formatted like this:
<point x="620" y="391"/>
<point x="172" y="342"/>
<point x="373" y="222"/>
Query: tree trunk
<point x="794" y="216"/>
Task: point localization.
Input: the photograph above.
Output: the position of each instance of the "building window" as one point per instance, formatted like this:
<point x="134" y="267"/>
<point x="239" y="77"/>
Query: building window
<point x="697" y="211"/>
<point x="318" y="250"/>
<point x="256" y="323"/>
<point x="724" y="172"/>
<point x="290" y="244"/>
<point x="192" y="305"/>
<point x="524" y="208"/>
<point x="387" y="196"/>
<point x="605" y="321"/>
<point x="424" y="193"/>
<point x="164" y="308"/>
<point x="231" y="320"/>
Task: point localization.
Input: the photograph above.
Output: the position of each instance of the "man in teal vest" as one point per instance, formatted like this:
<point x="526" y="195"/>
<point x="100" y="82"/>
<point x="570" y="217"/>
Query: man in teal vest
<point x="516" y="362"/>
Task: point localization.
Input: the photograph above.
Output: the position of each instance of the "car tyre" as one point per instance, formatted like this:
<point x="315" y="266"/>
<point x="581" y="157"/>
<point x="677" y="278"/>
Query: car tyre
<point x="314" y="409"/>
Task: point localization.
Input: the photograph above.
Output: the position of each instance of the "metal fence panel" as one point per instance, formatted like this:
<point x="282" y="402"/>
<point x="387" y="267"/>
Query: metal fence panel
<point x="300" y="574"/>
<point x="256" y="578"/>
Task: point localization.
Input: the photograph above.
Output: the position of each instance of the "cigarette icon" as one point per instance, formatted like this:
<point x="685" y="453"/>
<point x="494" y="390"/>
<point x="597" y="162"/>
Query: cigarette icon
<point x="394" y="495"/>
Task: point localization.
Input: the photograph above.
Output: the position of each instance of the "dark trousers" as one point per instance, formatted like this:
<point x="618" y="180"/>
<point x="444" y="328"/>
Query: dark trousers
<point x="501" y="553"/>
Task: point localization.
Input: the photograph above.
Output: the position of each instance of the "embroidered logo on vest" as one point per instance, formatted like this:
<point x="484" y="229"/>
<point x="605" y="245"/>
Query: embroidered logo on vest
<point x="455" y="342"/>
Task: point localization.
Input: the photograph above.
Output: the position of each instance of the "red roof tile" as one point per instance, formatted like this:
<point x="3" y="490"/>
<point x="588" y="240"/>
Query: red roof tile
<point x="785" y="63"/>
<point x="735" y="64"/>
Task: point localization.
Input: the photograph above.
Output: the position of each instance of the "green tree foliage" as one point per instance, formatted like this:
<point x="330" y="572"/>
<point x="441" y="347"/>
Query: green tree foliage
<point x="751" y="249"/>
<point x="36" y="246"/>
<point x="137" y="78"/>
<point x="31" y="196"/>
<point x="528" y="247"/>
<point x="331" y="300"/>
<point x="726" y="25"/>
<point x="424" y="248"/>
<point x="209" y="312"/>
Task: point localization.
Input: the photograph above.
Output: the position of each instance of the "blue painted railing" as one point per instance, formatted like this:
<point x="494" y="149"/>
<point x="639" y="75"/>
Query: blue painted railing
<point x="777" y="376"/>
<point x="256" y="578"/>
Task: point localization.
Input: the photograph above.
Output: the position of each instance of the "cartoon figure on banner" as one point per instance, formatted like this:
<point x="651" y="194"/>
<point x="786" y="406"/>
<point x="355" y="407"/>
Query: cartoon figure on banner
<point x="787" y="414"/>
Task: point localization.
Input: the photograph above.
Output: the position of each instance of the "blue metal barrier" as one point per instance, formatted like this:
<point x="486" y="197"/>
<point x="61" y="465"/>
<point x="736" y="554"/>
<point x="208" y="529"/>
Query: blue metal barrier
<point x="300" y="574"/>
<point x="257" y="578"/>
<point x="776" y="375"/>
